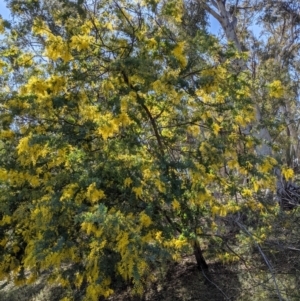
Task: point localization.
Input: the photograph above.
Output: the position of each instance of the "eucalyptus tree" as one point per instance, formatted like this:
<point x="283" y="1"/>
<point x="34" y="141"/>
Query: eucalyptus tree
<point x="268" y="32"/>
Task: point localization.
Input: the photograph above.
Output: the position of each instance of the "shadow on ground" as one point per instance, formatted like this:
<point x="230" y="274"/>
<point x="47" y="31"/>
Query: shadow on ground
<point x="184" y="282"/>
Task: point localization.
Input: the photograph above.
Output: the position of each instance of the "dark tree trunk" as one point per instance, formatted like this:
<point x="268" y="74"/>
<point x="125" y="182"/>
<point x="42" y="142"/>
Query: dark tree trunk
<point x="202" y="265"/>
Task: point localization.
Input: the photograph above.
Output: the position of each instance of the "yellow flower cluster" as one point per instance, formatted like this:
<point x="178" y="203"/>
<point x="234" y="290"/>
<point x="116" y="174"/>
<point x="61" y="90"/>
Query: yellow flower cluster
<point x="276" y="89"/>
<point x="145" y="220"/>
<point x="178" y="52"/>
<point x="93" y="194"/>
<point x="288" y="173"/>
<point x="56" y="48"/>
<point x="81" y="42"/>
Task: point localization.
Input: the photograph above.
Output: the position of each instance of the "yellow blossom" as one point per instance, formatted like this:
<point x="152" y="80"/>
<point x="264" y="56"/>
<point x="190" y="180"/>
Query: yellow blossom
<point x="145" y="219"/>
<point x="178" y="53"/>
<point x="175" y="204"/>
<point x="246" y="192"/>
<point x="81" y="42"/>
<point x="138" y="191"/>
<point x="216" y="128"/>
<point x="94" y="194"/>
<point x="127" y="182"/>
<point x="288" y="173"/>
<point x="276" y="89"/>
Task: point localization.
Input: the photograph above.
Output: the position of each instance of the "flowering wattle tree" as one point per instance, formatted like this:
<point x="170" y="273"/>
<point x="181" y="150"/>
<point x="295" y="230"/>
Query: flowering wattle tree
<point x="124" y="142"/>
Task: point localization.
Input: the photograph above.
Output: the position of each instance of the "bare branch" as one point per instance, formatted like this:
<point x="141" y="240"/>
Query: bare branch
<point x="210" y="10"/>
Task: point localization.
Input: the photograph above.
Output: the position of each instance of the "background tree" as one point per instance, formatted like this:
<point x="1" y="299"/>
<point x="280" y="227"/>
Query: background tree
<point x="268" y="32"/>
<point x="273" y="49"/>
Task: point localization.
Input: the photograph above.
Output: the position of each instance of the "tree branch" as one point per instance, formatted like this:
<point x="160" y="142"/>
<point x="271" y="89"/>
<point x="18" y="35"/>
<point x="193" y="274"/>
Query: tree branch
<point x="210" y="10"/>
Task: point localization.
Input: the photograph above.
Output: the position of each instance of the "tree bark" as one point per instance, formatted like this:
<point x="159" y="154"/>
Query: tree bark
<point x="201" y="263"/>
<point x="228" y="22"/>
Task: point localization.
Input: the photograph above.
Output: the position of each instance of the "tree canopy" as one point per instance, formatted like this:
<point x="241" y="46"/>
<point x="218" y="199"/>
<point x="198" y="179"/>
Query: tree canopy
<point x="130" y="135"/>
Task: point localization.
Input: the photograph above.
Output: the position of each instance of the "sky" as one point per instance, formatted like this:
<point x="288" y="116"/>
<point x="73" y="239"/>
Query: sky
<point x="4" y="12"/>
<point x="214" y="25"/>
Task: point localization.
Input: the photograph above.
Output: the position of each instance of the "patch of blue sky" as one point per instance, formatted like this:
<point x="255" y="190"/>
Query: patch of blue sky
<point x="214" y="26"/>
<point x="4" y="11"/>
<point x="216" y="29"/>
